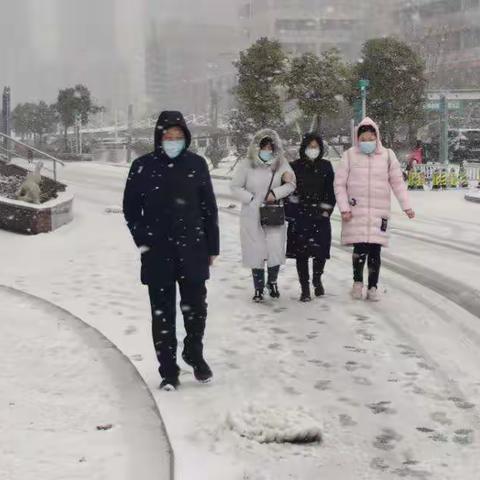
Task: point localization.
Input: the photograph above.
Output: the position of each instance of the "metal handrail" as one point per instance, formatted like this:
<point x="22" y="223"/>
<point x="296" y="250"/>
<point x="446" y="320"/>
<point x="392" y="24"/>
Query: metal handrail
<point x="33" y="149"/>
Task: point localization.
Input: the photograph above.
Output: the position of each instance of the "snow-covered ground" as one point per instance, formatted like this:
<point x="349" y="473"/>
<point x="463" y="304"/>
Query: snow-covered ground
<point x="69" y="403"/>
<point x="393" y="386"/>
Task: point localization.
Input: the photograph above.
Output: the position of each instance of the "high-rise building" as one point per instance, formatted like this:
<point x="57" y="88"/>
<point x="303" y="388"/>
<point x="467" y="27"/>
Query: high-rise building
<point x="310" y="25"/>
<point x="16" y="47"/>
<point x="190" y="50"/>
<point x="447" y="32"/>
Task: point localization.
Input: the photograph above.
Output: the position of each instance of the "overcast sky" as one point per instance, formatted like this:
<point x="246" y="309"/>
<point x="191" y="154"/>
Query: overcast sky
<point x="45" y="43"/>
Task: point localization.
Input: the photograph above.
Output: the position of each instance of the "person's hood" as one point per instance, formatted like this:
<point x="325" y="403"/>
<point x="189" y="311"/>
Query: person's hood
<point x="307" y="139"/>
<point x="254" y="149"/>
<point x="166" y="120"/>
<point x="369" y="121"/>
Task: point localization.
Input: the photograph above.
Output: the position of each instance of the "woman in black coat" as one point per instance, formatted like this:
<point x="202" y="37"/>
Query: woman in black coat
<point x="308" y="212"/>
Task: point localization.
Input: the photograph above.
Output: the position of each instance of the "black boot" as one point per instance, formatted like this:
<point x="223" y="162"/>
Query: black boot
<point x="319" y="290"/>
<point x="306" y="296"/>
<point x="170" y="384"/>
<point x="201" y="370"/>
<point x="273" y="289"/>
<point x="258" y="298"/>
<point x="318" y="268"/>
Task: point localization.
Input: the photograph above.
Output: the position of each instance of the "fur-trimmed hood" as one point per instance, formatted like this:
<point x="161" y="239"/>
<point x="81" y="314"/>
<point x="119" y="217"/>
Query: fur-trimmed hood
<point x="254" y="149"/>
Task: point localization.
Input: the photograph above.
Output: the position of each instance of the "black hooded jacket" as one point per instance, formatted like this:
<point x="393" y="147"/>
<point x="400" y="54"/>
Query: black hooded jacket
<point x="314" y="177"/>
<point x="171" y="211"/>
<point x="311" y="205"/>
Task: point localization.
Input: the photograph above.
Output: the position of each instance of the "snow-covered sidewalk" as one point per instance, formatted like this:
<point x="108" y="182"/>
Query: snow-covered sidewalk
<point x="71" y="407"/>
<point x="394" y="387"/>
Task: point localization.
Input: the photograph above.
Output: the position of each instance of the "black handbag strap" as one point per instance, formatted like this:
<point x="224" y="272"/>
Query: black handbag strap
<point x="270" y="186"/>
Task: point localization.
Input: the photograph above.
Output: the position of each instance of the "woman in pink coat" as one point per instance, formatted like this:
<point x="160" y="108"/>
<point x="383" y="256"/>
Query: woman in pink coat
<point x="363" y="183"/>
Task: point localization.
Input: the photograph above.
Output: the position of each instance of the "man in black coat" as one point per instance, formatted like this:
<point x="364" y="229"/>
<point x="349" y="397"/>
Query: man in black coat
<point x="308" y="212"/>
<point x="171" y="211"/>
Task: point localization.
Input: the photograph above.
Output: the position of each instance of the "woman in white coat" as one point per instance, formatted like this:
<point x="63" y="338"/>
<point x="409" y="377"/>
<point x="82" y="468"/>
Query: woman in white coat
<point x="250" y="185"/>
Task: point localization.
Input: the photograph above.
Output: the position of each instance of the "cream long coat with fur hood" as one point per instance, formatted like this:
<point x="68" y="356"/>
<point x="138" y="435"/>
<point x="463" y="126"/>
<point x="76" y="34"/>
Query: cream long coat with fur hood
<point x="249" y="186"/>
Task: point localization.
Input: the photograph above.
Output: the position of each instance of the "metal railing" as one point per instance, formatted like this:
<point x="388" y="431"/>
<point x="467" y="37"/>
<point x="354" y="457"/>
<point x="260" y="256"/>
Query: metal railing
<point x="33" y="149"/>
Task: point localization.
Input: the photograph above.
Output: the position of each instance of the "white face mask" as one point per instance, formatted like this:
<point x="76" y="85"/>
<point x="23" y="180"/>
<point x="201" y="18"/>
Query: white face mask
<point x="312" y="153"/>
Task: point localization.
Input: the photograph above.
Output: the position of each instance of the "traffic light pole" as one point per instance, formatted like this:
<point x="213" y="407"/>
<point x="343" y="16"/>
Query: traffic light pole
<point x="130" y="134"/>
<point x="364" y="84"/>
<point x="5" y="120"/>
<point x="364" y="103"/>
<point x="443" y="130"/>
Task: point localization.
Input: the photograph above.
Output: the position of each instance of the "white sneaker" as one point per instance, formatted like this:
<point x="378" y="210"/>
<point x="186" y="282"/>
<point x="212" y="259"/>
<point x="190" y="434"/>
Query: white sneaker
<point x="357" y="291"/>
<point x="372" y="295"/>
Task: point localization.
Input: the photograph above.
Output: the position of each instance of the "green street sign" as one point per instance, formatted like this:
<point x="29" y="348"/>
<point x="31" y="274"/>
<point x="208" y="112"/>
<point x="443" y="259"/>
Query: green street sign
<point x="364" y="84"/>
<point x="435" y="106"/>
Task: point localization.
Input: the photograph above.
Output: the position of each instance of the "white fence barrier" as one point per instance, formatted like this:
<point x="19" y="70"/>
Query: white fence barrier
<point x="472" y="170"/>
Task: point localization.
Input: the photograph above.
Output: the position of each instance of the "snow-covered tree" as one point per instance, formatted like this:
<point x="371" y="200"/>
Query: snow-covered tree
<point x="396" y="96"/>
<point x="72" y="102"/>
<point x="34" y="119"/>
<point x="22" y="117"/>
<point x="45" y="119"/>
<point x="261" y="70"/>
<point x="319" y="85"/>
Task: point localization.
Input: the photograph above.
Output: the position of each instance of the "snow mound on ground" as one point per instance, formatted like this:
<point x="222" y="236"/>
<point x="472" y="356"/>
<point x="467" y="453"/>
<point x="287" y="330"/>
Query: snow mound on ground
<point x="473" y="196"/>
<point x="270" y="424"/>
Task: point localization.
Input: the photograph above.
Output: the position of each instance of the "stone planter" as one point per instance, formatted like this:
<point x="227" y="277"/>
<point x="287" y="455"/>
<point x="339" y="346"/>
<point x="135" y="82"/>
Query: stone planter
<point x="55" y="210"/>
<point x="21" y="217"/>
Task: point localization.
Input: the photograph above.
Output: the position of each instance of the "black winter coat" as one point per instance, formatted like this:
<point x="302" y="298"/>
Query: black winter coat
<point x="170" y="209"/>
<point x="310" y="207"/>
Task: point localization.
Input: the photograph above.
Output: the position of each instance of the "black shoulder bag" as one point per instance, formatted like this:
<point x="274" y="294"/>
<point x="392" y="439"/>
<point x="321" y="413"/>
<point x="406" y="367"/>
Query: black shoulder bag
<point x="272" y="214"/>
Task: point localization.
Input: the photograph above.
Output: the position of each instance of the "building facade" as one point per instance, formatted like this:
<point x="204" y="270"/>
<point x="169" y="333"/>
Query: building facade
<point x="312" y="25"/>
<point x="447" y="32"/>
<point x="189" y="67"/>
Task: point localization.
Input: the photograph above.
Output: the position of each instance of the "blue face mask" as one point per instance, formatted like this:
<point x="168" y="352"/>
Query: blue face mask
<point x="173" y="148"/>
<point x="368" y="147"/>
<point x="266" y="156"/>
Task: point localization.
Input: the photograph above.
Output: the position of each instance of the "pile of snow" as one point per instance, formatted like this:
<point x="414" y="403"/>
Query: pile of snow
<point x="269" y="424"/>
<point x="473" y="196"/>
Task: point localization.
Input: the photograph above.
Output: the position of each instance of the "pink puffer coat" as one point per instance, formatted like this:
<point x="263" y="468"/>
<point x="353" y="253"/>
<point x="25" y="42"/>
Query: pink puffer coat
<point x="363" y="185"/>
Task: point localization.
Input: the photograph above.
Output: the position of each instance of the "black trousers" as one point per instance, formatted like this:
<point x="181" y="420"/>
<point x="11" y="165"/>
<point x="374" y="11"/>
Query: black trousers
<point x="258" y="275"/>
<point x="369" y="253"/>
<point x="164" y="313"/>
<point x="304" y="273"/>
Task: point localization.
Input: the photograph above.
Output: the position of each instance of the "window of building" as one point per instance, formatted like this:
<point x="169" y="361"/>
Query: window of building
<point x="296" y="25"/>
<point x="471" y="37"/>
<point x="440" y="7"/>
<point x="296" y="48"/>
<point x="471" y="4"/>
<point x="336" y="24"/>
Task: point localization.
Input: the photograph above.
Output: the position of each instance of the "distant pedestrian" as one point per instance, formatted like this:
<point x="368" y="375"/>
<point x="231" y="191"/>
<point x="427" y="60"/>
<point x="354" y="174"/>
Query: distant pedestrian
<point x="309" y="211"/>
<point x="416" y="156"/>
<point x="172" y="215"/>
<point x="264" y="176"/>
<point x="363" y="183"/>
